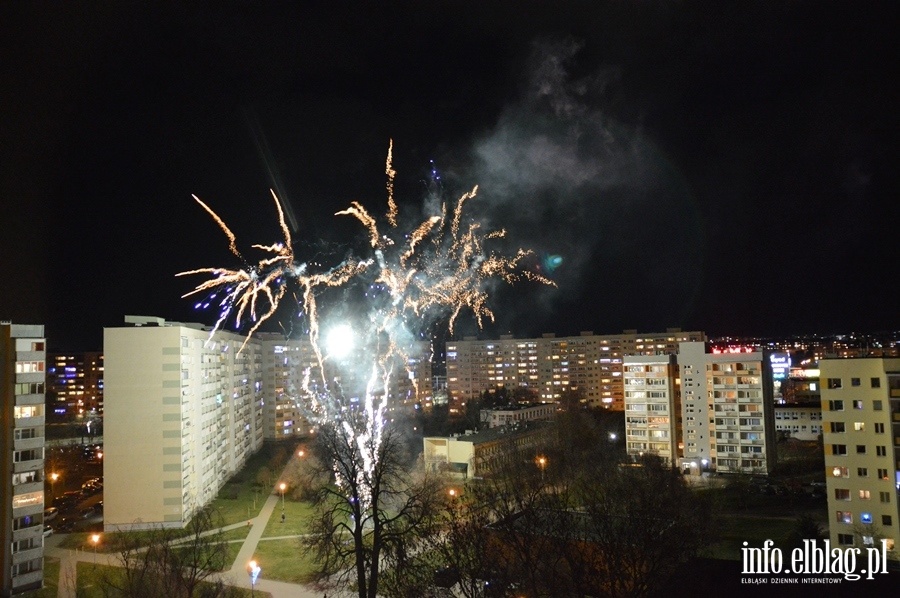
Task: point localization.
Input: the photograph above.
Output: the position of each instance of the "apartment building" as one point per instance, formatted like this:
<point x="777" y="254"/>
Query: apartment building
<point x="22" y="386"/>
<point x="287" y="363"/>
<point x="727" y="408"/>
<point x="589" y="364"/>
<point x="861" y="437"/>
<point x="75" y="383"/>
<point x="184" y="411"/>
<point x="652" y="406"/>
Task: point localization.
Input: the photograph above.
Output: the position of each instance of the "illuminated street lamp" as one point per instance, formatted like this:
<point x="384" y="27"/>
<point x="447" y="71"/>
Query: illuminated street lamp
<point x="300" y="453"/>
<point x="542" y="463"/>
<point x="95" y="539"/>
<point x="253" y="569"/>
<point x="53" y="477"/>
<point x="282" y="486"/>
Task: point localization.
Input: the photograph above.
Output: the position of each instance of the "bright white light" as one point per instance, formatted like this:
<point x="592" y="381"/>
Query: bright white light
<point x="339" y="341"/>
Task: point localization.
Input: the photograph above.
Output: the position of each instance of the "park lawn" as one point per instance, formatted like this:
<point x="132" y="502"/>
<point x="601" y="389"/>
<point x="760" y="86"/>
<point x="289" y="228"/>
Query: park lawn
<point x="242" y="498"/>
<point x="297" y="515"/>
<point x="245" y="506"/>
<point x="734" y="530"/>
<point x="238" y="533"/>
<point x="90" y="579"/>
<point x="284" y="560"/>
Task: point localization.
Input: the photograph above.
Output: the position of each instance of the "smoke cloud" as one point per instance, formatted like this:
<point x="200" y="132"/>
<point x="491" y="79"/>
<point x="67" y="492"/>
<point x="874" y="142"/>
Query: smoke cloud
<point x="604" y="210"/>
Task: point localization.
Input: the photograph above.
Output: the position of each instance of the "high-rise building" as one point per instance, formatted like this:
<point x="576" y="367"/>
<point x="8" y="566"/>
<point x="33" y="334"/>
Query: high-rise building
<point x="186" y="406"/>
<point x="861" y="437"/>
<point x="652" y="406"/>
<point x="588" y="364"/>
<point x="22" y="384"/>
<point x="75" y="383"/>
<point x="184" y="411"/>
<point x="728" y="414"/>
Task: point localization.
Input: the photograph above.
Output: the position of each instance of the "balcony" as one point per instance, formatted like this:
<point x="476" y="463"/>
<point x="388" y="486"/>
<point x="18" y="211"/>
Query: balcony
<point x="30" y="399"/>
<point x="27" y="555"/>
<point x="28" y="443"/>
<point x="26" y="579"/>
<point x="23" y="466"/>
<point x="23" y="533"/>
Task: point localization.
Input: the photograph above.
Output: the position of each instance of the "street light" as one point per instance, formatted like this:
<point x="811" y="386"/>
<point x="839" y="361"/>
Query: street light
<point x="253" y="569"/>
<point x="95" y="539"/>
<point x="300" y="453"/>
<point x="542" y="462"/>
<point x="53" y="477"/>
<point x="282" y="486"/>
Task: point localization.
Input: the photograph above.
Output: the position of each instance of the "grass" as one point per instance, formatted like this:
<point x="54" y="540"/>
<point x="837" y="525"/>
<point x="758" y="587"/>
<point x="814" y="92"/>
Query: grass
<point x="242" y="498"/>
<point x="90" y="581"/>
<point x="734" y="530"/>
<point x="284" y="560"/>
<point x="297" y="515"/>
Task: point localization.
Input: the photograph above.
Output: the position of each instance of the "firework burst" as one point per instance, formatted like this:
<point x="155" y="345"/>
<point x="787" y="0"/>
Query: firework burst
<point x="438" y="269"/>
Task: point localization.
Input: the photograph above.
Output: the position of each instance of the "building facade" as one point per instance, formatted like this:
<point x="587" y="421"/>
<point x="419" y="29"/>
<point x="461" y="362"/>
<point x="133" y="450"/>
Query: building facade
<point x="504" y="416"/>
<point x="727" y="410"/>
<point x="482" y="453"/>
<point x="861" y="437"/>
<point x="802" y="421"/>
<point x="75" y="384"/>
<point x="22" y="387"/>
<point x="184" y="411"/>
<point x="589" y="364"/>
<point x="652" y="406"/>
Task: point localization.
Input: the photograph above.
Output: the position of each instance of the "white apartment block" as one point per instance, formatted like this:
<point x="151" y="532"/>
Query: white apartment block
<point x="861" y="418"/>
<point x="590" y="364"/>
<point x="728" y="417"/>
<point x="183" y="412"/>
<point x="22" y="384"/>
<point x="652" y="406"/>
<point x="185" y="408"/>
<point x="802" y="421"/>
<point x="504" y="416"/>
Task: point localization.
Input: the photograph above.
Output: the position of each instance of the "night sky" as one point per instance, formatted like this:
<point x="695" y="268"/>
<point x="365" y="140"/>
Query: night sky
<point x="727" y="167"/>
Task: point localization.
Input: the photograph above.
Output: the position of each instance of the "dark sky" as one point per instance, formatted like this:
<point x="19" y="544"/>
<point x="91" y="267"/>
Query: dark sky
<point x="729" y="167"/>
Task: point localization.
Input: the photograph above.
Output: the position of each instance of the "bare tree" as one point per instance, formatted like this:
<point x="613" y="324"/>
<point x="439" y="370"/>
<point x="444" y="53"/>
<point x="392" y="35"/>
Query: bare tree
<point x="601" y="528"/>
<point x="168" y="562"/>
<point x="369" y="518"/>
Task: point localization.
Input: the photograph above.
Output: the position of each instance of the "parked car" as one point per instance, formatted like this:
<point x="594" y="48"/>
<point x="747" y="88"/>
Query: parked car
<point x="50" y="513"/>
<point x="68" y="499"/>
<point x="86" y="513"/>
<point x="48" y="531"/>
<point x="65" y="524"/>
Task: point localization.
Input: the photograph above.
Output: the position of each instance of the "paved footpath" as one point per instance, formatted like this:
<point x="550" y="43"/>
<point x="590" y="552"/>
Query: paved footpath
<point x="236" y="576"/>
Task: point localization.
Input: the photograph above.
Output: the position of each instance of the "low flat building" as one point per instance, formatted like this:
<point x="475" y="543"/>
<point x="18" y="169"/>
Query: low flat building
<point x="511" y="414"/>
<point x="802" y="421"/>
<point x="479" y="454"/>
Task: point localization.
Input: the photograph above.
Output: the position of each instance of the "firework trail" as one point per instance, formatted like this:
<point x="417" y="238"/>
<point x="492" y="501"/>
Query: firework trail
<point x="437" y="270"/>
